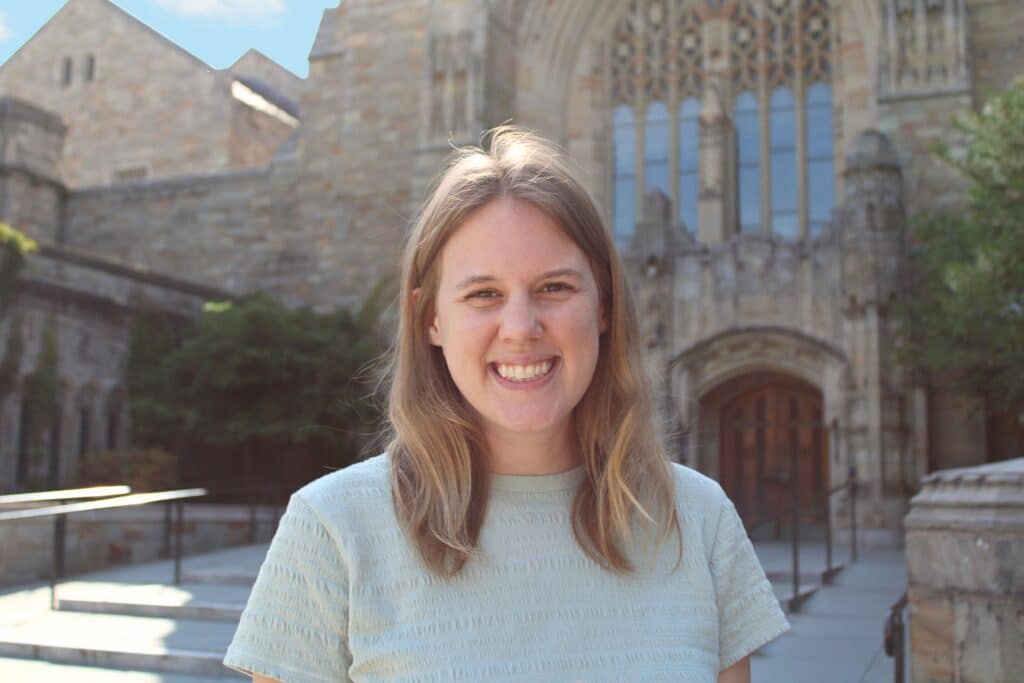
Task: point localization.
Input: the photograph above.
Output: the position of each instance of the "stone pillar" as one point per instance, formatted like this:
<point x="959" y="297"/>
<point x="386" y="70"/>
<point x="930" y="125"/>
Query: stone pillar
<point x="965" y="570"/>
<point x="716" y="203"/>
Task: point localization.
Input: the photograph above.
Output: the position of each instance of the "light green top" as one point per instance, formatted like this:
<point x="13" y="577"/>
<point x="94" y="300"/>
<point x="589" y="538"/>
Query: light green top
<point x="342" y="594"/>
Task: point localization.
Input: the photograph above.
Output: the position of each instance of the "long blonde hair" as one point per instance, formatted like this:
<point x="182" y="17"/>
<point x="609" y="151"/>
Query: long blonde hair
<point x="439" y="479"/>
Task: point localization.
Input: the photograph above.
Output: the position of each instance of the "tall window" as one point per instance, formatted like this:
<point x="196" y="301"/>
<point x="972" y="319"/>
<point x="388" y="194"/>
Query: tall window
<point x="821" y="187"/>
<point x="689" y="161"/>
<point x="778" y="93"/>
<point x="657" y="148"/>
<point x="625" y="171"/>
<point x="90" y="68"/>
<point x="65" y="72"/>
<point x="747" y="118"/>
<point x="785" y="218"/>
<point x="657" y="70"/>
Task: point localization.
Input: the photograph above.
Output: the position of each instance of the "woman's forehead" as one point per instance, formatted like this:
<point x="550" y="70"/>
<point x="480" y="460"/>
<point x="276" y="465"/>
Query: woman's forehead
<point x="510" y="237"/>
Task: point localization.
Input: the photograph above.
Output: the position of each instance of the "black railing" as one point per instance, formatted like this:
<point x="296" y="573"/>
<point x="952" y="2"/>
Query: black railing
<point x="797" y="511"/>
<point x="61" y="511"/>
<point x="894" y="643"/>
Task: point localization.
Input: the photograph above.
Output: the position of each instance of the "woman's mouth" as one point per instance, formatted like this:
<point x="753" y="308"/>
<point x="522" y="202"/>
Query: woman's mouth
<point x="524" y="375"/>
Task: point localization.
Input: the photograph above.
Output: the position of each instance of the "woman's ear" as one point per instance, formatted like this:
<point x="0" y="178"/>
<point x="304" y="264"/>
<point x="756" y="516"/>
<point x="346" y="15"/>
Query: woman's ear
<point x="432" y="331"/>
<point x="602" y="319"/>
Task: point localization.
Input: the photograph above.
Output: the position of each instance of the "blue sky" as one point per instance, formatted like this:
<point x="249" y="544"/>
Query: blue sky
<point x="216" y="31"/>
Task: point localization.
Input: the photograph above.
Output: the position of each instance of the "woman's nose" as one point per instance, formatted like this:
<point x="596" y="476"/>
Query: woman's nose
<point x="520" y="319"/>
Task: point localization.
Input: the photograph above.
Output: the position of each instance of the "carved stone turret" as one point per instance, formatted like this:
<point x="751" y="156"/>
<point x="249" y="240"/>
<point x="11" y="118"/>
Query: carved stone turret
<point x="31" y="191"/>
<point x="872" y="234"/>
<point x="871" y="261"/>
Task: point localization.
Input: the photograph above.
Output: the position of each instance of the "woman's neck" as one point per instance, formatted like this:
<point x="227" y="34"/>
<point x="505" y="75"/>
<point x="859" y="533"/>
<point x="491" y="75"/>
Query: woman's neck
<point x="531" y="453"/>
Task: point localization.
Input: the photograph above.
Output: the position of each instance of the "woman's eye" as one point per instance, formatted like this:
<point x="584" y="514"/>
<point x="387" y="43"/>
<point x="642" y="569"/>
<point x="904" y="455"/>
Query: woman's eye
<point x="483" y="294"/>
<point x="556" y="287"/>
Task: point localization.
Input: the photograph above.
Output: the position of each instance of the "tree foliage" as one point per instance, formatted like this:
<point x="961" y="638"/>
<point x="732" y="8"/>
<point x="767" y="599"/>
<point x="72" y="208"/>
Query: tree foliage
<point x="963" y="313"/>
<point x="15" y="247"/>
<point x="253" y="378"/>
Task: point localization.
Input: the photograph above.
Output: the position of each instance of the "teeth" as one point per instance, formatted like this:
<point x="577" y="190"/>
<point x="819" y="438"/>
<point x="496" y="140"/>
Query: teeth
<point x="524" y="373"/>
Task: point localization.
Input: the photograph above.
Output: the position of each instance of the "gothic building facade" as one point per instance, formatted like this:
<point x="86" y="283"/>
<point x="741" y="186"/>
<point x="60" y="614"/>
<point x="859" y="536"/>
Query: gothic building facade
<point x="757" y="161"/>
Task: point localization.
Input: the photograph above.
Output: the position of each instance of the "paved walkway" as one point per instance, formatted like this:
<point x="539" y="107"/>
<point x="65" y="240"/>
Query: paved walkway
<point x="837" y="634"/>
<point x="836" y="637"/>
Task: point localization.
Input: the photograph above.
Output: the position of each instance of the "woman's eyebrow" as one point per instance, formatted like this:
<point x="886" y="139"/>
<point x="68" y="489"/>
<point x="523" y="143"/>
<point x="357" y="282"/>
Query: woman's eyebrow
<point x="473" y="280"/>
<point x="480" y="279"/>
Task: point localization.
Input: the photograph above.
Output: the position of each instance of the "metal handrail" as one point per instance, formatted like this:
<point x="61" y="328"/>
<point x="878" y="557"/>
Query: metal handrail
<point x="116" y="502"/>
<point x="61" y="513"/>
<point x="252" y="492"/>
<point x="796" y="511"/>
<point x="65" y="494"/>
<point x="893" y="638"/>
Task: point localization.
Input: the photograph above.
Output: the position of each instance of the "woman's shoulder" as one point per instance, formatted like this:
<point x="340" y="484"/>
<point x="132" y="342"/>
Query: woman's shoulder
<point x="362" y="486"/>
<point x="697" y="488"/>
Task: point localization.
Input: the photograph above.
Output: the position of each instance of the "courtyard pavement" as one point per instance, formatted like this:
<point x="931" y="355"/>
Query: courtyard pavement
<point x="836" y="636"/>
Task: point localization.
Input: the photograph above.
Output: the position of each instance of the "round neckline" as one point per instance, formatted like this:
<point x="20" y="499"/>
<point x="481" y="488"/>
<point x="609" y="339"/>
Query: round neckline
<point x="559" y="481"/>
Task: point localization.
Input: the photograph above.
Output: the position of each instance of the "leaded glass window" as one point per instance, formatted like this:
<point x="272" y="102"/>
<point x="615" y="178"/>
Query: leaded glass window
<point x="775" y="84"/>
<point x="689" y="162"/>
<point x="625" y="169"/>
<point x="746" y="118"/>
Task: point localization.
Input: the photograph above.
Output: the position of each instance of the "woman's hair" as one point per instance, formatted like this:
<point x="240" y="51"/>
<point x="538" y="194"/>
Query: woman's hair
<point x="438" y="453"/>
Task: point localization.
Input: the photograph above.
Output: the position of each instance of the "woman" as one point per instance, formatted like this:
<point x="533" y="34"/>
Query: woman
<point x="524" y="523"/>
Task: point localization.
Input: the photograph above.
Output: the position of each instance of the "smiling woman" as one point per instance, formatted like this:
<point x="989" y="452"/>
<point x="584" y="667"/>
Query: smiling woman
<point x="524" y="523"/>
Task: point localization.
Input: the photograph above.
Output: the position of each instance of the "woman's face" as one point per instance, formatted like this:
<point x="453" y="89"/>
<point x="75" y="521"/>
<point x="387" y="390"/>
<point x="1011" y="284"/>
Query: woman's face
<point x="518" y="318"/>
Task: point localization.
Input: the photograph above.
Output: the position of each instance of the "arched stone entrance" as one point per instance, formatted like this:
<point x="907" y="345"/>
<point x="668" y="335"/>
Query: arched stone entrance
<point x="749" y="400"/>
<point x="771" y="437"/>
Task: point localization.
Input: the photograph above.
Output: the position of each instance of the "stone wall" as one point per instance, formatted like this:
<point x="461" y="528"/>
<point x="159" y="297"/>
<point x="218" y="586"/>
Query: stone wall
<point x="256" y="65"/>
<point x="105" y="538"/>
<point x="965" y="569"/>
<point x="256" y="136"/>
<point x="88" y="303"/>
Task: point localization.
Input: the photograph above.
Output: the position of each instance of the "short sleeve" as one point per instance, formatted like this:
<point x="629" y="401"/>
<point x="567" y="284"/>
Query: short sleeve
<point x="749" y="614"/>
<point x="294" y="626"/>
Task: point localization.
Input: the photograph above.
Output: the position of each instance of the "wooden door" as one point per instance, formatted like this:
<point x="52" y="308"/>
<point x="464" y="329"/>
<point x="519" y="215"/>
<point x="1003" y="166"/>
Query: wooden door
<point x="761" y="430"/>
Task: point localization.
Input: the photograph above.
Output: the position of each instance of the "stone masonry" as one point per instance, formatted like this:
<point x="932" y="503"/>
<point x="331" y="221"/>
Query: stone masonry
<point x="965" y="564"/>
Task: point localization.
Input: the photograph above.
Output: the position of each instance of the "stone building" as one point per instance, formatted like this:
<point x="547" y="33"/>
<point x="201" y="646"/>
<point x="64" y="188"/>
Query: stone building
<point x="139" y="107"/>
<point x="757" y="160"/>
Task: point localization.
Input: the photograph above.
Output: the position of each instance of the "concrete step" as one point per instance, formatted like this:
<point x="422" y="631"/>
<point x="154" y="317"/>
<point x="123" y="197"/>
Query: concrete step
<point x="187" y="601"/>
<point x="182" y="646"/>
<point x="35" y="671"/>
<point x="221" y="576"/>
<point x="199" y="610"/>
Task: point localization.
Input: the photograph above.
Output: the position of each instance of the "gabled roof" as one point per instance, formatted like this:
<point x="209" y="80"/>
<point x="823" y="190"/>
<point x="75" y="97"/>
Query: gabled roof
<point x="269" y="93"/>
<point x="110" y="5"/>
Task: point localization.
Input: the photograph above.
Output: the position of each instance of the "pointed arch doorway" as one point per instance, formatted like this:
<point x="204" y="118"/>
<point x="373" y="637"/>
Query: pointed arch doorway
<point x="768" y="425"/>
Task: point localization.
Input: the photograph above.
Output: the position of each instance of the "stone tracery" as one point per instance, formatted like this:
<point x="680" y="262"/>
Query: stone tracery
<point x="768" y="54"/>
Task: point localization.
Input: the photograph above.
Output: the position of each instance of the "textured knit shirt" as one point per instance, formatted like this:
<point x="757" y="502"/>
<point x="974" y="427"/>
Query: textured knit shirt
<point x="343" y="595"/>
